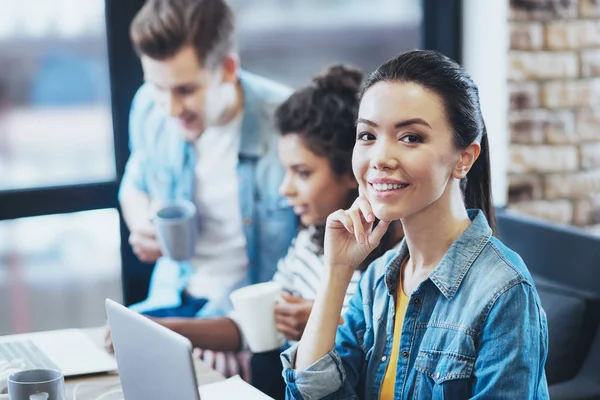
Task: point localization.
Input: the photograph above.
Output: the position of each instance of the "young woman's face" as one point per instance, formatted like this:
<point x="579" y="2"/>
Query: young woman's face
<point x="310" y="184"/>
<point x="404" y="158"/>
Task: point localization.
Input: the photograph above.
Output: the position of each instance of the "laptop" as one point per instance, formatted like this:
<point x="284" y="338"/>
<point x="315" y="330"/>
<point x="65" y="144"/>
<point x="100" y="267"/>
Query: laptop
<point x="69" y="350"/>
<point x="156" y="363"/>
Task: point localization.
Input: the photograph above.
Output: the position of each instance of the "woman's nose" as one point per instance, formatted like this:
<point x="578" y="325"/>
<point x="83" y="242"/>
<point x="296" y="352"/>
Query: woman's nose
<point x="382" y="156"/>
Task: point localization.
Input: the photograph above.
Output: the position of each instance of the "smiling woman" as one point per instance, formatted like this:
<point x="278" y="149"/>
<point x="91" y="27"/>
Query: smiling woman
<point x="439" y="317"/>
<point x="318" y="137"/>
<point x="404" y="139"/>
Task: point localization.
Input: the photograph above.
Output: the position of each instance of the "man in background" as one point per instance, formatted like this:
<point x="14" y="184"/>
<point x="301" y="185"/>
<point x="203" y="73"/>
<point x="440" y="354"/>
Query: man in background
<point x="201" y="129"/>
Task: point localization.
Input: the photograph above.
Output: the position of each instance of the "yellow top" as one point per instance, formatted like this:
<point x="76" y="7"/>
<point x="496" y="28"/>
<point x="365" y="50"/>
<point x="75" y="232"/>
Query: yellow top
<point x="389" y="380"/>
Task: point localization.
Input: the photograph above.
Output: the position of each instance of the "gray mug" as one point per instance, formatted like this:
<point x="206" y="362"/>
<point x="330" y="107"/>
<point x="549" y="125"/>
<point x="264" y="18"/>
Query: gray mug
<point x="36" y="384"/>
<point x="176" y="229"/>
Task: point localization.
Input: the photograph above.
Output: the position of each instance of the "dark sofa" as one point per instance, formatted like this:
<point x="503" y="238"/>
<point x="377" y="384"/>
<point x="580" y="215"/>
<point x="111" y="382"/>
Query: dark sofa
<point x="565" y="265"/>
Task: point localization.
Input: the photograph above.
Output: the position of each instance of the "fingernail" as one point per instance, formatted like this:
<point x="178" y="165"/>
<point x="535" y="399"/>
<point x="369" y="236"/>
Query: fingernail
<point x="370" y="218"/>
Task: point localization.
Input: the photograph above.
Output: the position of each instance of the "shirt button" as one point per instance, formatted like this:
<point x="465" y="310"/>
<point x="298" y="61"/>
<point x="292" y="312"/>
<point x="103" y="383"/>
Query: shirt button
<point x="404" y="353"/>
<point x="383" y="358"/>
<point x="417" y="301"/>
<point x="247" y="221"/>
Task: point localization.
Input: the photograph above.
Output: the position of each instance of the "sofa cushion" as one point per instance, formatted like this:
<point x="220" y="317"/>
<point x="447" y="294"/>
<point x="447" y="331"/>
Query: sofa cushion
<point x="565" y="315"/>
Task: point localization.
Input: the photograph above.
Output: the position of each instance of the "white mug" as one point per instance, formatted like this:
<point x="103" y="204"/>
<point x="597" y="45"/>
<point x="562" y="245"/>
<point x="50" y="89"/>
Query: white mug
<point x="254" y="308"/>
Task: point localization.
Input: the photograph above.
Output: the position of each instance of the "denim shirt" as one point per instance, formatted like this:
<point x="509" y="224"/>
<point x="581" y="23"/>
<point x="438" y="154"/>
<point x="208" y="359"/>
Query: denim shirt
<point x="473" y="329"/>
<point x="162" y="165"/>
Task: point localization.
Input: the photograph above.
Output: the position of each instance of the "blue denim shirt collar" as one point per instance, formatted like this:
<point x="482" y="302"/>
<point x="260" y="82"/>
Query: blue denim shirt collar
<point x="448" y="275"/>
<point x="458" y="334"/>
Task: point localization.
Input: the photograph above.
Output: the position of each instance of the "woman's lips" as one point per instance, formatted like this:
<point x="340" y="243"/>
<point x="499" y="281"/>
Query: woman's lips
<point x="387" y="190"/>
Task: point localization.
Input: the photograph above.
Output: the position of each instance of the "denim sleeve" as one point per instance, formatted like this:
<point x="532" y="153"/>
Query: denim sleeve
<point x="133" y="176"/>
<point x="513" y="348"/>
<point x="337" y="374"/>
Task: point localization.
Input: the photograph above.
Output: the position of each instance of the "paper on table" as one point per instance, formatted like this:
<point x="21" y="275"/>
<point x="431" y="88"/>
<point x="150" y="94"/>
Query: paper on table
<point x="232" y="388"/>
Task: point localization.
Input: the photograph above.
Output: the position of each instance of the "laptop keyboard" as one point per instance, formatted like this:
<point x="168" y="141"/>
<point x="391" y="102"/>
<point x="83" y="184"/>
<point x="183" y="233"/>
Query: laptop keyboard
<point x="26" y="352"/>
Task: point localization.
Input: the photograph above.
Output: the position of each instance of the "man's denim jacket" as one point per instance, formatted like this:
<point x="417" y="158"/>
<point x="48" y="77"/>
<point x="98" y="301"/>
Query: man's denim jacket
<point x="162" y="165"/>
<point x="473" y="329"/>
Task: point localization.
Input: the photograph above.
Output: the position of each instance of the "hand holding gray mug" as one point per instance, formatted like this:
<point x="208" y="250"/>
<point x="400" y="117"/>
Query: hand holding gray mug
<point x="176" y="229"/>
<point x="36" y="384"/>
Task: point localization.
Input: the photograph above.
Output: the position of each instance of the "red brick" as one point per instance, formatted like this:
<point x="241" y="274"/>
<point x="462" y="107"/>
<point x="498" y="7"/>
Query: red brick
<point x="590" y="63"/>
<point x="524" y="95"/>
<point x="526" y="36"/>
<point x="542" y="9"/>
<point x="575" y="185"/>
<point x="589" y="155"/>
<point x="589" y="8"/>
<point x="588" y="125"/>
<point x="570" y="35"/>
<point x="524" y="188"/>
<point x="525" y="65"/>
<point x="571" y="94"/>
<point x="542" y="158"/>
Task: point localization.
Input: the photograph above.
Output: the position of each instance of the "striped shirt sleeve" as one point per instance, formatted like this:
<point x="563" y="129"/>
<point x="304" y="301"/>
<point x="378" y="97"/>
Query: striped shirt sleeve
<point x="300" y="271"/>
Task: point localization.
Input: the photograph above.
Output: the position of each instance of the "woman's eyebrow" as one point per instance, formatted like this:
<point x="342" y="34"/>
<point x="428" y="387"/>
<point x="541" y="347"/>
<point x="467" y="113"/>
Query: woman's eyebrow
<point x="401" y="124"/>
<point x="367" y="122"/>
<point x="412" y="121"/>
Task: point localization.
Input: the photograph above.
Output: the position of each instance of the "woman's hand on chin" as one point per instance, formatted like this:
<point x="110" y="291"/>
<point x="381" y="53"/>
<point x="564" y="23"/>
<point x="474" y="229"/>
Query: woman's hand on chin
<point x="350" y="237"/>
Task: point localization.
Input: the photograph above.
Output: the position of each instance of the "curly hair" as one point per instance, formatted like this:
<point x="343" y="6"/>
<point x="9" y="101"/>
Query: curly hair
<point x="323" y="115"/>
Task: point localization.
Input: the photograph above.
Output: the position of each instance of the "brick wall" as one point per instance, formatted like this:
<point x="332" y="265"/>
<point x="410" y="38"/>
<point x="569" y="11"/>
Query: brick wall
<point x="554" y="117"/>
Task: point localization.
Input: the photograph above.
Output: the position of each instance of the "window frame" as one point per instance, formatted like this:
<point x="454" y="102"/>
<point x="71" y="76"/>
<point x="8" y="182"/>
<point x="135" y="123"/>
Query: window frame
<point x="441" y="30"/>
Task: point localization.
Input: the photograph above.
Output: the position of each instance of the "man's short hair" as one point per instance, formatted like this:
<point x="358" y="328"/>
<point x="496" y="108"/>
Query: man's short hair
<point x="163" y="27"/>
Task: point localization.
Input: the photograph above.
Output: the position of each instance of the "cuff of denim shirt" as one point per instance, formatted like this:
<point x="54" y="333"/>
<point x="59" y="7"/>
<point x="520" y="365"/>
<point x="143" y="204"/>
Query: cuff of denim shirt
<point x="323" y="377"/>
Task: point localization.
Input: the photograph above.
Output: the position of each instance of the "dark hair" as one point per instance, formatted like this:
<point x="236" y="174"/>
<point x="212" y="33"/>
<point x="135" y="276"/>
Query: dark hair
<point x="323" y="115"/>
<point x="443" y="76"/>
<point x="162" y="27"/>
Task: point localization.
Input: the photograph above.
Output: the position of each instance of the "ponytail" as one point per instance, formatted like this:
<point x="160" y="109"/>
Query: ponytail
<point x="478" y="190"/>
<point x="446" y="78"/>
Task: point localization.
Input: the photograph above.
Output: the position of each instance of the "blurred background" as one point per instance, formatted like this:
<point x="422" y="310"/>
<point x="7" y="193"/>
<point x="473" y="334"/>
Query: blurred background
<point x="56" y="130"/>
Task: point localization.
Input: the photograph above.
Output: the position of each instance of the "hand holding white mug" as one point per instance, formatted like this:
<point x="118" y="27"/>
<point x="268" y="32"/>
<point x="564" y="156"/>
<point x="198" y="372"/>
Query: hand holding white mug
<point x="291" y="315"/>
<point x="350" y="237"/>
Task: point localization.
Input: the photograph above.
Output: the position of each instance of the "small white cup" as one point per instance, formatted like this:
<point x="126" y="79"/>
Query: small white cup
<point x="254" y="308"/>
